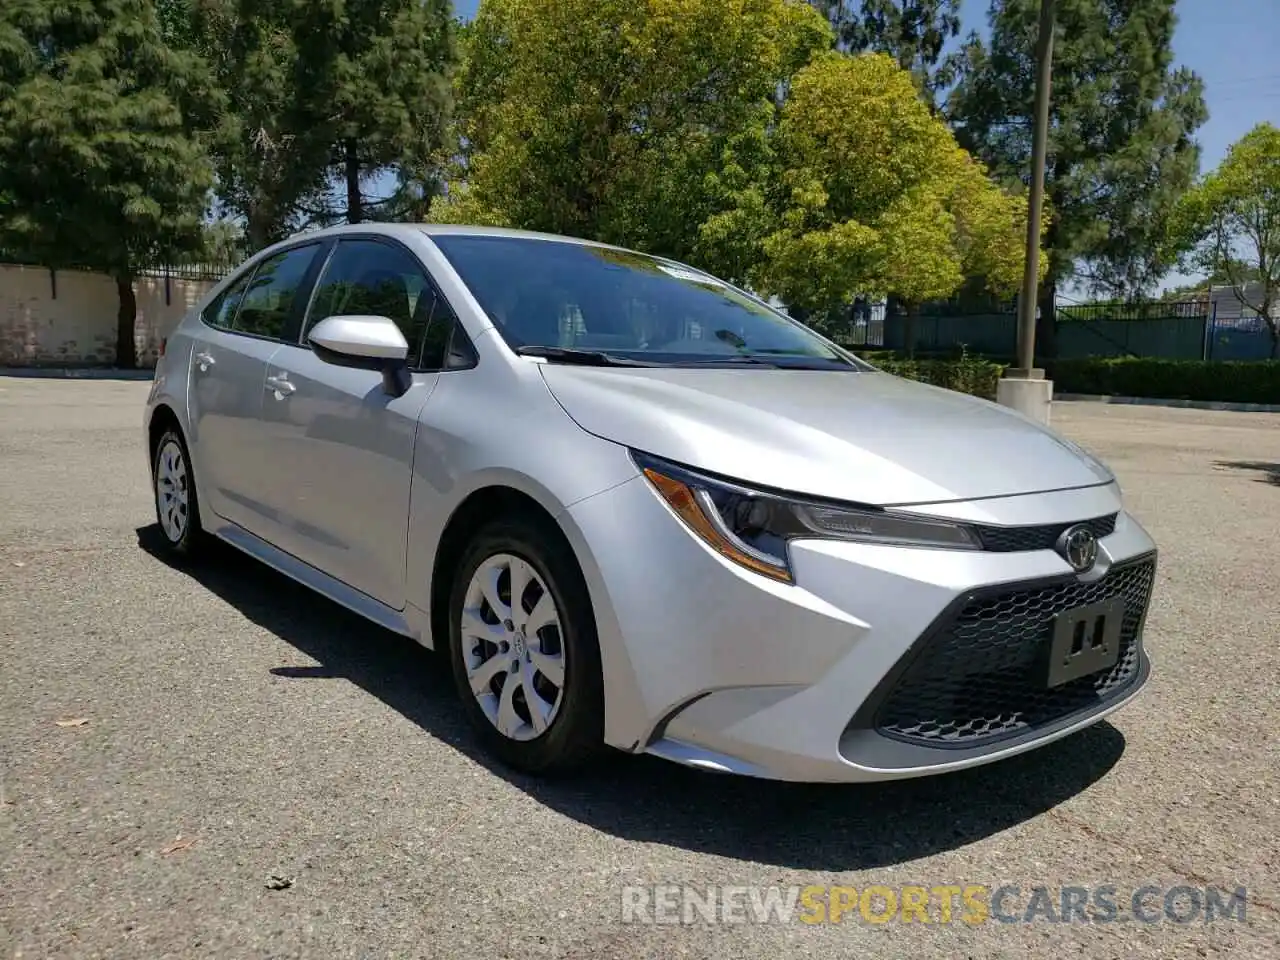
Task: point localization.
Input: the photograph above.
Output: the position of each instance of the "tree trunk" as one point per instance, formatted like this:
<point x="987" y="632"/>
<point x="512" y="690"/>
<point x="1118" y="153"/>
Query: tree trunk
<point x="258" y="228"/>
<point x="126" y="314"/>
<point x="355" y="202"/>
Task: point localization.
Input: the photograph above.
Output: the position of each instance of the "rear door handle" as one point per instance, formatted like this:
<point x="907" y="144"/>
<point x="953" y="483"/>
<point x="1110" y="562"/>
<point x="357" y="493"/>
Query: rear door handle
<point x="204" y="361"/>
<point x="280" y="386"/>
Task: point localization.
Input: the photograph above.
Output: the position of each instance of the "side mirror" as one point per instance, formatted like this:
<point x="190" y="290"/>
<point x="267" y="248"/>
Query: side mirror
<point x="365" y="343"/>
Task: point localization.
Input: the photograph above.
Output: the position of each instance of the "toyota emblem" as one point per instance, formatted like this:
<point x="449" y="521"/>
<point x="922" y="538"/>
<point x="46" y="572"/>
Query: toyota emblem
<point x="1079" y="547"/>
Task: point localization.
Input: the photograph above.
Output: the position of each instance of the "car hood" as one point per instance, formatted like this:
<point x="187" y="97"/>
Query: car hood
<point x="863" y="437"/>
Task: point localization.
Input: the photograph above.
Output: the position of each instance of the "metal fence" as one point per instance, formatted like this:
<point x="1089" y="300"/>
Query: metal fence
<point x="1181" y="330"/>
<point x="188" y="271"/>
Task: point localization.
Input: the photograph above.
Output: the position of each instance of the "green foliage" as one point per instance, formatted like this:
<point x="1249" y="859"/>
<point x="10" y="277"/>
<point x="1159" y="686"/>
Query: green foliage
<point x="374" y="85"/>
<point x="872" y="196"/>
<point x="728" y="134"/>
<point x="965" y="374"/>
<point x="102" y="158"/>
<point x="912" y="32"/>
<point x="1229" y="224"/>
<point x="1221" y="380"/>
<point x="627" y="121"/>
<point x="318" y="90"/>
<point x="1120" y="144"/>
<point x="269" y="158"/>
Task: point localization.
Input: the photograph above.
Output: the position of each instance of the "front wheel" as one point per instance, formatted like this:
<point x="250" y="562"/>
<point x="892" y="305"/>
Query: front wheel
<point x="523" y="645"/>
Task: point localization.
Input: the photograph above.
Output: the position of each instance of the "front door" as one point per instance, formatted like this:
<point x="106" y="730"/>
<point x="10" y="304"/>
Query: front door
<point x="243" y="328"/>
<point x="342" y="448"/>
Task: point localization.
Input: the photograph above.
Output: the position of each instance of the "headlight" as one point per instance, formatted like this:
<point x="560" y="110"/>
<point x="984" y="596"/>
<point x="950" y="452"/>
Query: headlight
<point x="753" y="527"/>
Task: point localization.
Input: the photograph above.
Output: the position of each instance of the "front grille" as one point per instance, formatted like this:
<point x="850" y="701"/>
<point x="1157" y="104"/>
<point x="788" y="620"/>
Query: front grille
<point x="1042" y="537"/>
<point x="980" y="675"/>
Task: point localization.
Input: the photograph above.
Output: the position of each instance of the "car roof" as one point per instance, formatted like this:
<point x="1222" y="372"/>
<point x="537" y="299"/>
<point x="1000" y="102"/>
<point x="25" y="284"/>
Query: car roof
<point x="444" y="229"/>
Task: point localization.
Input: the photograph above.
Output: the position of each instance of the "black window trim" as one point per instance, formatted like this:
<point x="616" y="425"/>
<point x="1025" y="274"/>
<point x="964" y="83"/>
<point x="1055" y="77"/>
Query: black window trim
<point x="293" y="322"/>
<point x="432" y="284"/>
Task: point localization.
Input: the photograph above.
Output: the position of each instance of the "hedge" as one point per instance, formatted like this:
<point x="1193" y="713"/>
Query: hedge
<point x="1230" y="381"/>
<point x="967" y="375"/>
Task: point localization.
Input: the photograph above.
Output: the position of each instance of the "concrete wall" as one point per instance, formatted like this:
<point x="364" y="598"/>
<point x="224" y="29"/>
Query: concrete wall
<point x="69" y="318"/>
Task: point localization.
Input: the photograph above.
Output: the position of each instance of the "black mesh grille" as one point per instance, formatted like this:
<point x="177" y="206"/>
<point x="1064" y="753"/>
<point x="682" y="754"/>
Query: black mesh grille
<point x="1044" y="537"/>
<point x="981" y="676"/>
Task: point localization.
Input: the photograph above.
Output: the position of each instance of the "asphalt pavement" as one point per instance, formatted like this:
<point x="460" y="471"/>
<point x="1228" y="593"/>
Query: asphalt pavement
<point x="217" y="763"/>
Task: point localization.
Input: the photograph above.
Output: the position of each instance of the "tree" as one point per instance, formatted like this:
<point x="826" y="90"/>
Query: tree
<point x="872" y="196"/>
<point x="1120" y="149"/>
<point x="913" y="32"/>
<point x="627" y="121"/>
<point x="374" y="83"/>
<point x="1229" y="224"/>
<point x="270" y="159"/>
<point x="102" y="162"/>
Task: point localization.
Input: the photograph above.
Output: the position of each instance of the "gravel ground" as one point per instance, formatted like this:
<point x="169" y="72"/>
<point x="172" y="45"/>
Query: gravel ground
<point x="240" y="728"/>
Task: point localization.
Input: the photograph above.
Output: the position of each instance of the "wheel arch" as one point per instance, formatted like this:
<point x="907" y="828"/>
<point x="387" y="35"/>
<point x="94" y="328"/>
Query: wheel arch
<point x="479" y="507"/>
<point x="163" y="418"/>
<point x="623" y="707"/>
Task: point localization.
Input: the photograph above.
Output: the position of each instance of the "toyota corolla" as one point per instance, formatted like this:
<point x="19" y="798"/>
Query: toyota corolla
<point x="637" y="507"/>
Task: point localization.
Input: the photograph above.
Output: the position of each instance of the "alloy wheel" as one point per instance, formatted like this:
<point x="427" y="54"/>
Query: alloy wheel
<point x="172" y="496"/>
<point x="512" y="646"/>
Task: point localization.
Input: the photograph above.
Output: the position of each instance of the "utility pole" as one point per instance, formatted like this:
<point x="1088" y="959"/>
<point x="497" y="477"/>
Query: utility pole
<point x="1025" y="387"/>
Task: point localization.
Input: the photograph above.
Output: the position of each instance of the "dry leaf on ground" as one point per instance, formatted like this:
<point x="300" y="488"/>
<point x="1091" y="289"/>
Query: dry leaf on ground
<point x="179" y="843"/>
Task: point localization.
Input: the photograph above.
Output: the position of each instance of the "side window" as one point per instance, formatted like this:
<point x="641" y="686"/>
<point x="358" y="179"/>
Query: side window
<point x="269" y="301"/>
<point x="222" y="312"/>
<point x="365" y="277"/>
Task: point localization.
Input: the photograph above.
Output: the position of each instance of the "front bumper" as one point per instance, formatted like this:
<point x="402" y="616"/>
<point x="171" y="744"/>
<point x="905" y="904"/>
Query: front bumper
<point x="881" y="662"/>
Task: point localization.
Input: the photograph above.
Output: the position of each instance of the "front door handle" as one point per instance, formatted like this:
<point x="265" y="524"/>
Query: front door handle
<point x="204" y="361"/>
<point x="280" y="386"/>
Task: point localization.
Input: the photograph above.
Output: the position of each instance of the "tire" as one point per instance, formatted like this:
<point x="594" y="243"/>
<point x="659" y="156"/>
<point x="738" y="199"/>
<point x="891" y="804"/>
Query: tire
<point x="173" y="488"/>
<point x="494" y="641"/>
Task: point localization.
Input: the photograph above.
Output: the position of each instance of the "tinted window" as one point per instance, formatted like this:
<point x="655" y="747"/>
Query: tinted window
<point x="364" y="277"/>
<point x="550" y="293"/>
<point x="445" y="345"/>
<point x="269" y="302"/>
<point x="222" y="312"/>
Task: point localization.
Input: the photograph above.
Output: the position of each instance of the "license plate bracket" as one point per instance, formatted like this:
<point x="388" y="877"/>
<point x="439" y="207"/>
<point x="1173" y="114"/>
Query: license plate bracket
<point x="1085" y="640"/>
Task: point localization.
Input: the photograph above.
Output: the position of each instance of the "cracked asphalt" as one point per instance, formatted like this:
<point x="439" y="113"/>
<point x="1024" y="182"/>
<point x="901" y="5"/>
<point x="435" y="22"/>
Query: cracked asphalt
<point x="261" y="774"/>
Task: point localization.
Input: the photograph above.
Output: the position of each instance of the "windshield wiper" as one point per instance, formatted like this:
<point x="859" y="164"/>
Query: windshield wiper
<point x="589" y="358"/>
<point x="732" y="359"/>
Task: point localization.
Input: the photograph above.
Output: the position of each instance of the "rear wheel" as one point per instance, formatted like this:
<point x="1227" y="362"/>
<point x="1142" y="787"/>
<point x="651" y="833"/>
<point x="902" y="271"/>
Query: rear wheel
<point x="524" y="650"/>
<point x="177" y="508"/>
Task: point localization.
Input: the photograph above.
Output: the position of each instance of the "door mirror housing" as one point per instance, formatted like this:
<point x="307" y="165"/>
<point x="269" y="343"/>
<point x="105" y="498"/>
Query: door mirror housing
<point x="365" y="343"/>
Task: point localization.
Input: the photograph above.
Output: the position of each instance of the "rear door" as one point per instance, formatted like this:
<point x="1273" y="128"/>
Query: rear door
<point x="242" y="329"/>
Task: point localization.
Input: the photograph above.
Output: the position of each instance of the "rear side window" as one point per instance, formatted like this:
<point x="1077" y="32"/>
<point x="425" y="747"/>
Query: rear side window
<point x="222" y="312"/>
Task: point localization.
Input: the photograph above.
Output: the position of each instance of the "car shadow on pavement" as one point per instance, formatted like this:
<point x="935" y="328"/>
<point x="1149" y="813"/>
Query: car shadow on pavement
<point x="1269" y="472"/>
<point x="800" y="826"/>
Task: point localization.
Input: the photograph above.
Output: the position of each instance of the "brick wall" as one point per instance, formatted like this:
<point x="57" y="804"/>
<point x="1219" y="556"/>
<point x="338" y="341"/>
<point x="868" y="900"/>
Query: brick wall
<point x="69" y="318"/>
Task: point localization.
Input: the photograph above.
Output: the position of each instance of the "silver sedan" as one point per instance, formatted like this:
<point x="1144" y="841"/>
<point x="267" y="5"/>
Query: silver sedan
<point x="637" y="507"/>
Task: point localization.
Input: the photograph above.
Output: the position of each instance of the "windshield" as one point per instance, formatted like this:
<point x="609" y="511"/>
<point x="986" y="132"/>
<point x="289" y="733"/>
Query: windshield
<point x="575" y="297"/>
